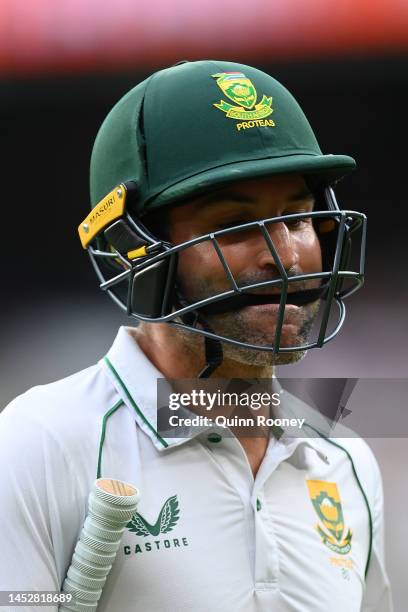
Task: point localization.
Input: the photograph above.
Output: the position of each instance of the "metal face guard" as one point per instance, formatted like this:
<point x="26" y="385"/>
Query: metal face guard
<point x="143" y="281"/>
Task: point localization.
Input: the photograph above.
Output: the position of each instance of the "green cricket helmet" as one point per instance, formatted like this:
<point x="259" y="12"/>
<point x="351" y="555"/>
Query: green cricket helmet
<point x="187" y="130"/>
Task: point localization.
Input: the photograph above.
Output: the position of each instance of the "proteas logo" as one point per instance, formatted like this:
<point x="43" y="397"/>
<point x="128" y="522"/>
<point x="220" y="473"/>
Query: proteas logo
<point x="238" y="88"/>
<point x="326" y="501"/>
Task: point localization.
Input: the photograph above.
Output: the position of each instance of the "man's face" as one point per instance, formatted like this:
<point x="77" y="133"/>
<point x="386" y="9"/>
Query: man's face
<point x="201" y="274"/>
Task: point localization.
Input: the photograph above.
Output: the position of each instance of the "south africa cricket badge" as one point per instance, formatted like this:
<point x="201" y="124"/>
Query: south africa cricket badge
<point x="327" y="504"/>
<point x="240" y="90"/>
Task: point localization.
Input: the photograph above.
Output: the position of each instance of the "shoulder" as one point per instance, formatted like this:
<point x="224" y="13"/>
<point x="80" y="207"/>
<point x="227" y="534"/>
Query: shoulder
<point x="66" y="414"/>
<point x="79" y="394"/>
<point x="363" y="467"/>
<point x="362" y="457"/>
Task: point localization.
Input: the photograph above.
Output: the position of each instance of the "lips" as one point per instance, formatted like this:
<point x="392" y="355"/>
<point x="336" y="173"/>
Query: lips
<point x="273" y="297"/>
<point x="235" y="302"/>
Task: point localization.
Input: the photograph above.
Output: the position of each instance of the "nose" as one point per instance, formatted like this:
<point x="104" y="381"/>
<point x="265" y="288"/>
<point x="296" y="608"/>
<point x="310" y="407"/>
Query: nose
<point x="284" y="245"/>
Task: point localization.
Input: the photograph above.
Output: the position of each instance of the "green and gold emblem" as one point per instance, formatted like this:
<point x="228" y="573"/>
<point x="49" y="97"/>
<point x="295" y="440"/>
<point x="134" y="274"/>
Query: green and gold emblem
<point x="240" y="90"/>
<point x="326" y="501"/>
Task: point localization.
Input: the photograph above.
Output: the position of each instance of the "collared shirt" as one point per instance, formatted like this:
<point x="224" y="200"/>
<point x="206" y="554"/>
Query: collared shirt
<point x="306" y="534"/>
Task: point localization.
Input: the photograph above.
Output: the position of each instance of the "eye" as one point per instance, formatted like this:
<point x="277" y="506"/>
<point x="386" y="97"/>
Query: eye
<point x="298" y="223"/>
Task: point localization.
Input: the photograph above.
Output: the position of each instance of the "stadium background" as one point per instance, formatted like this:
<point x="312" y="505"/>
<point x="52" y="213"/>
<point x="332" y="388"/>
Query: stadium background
<point x="63" y="65"/>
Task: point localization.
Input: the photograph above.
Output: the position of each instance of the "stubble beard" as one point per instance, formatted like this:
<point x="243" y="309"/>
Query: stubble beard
<point x="235" y="325"/>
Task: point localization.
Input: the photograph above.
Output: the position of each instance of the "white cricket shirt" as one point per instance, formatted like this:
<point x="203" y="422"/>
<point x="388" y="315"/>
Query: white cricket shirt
<point x="230" y="543"/>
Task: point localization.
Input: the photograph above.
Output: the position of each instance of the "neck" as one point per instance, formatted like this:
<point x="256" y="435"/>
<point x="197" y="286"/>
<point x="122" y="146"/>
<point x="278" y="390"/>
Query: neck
<point x="181" y="354"/>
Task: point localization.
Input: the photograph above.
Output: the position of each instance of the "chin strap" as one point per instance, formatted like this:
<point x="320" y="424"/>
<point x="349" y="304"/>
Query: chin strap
<point x="214" y="353"/>
<point x="214" y="356"/>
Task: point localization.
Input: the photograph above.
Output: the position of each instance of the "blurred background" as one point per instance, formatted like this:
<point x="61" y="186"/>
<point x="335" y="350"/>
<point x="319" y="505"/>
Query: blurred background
<point x="62" y="67"/>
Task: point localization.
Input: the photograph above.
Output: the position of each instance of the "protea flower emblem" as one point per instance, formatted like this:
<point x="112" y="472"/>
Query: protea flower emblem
<point x="237" y="87"/>
<point x="327" y="504"/>
<point x="240" y="90"/>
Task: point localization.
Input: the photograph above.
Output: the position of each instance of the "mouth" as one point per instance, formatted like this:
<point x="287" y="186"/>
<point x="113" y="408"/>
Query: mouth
<point x="270" y="304"/>
<point x="243" y="300"/>
<point x="294" y="298"/>
<point x="271" y="297"/>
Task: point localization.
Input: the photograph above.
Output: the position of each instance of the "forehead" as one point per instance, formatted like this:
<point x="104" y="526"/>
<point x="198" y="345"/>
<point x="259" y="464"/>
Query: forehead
<point x="276" y="186"/>
<point x="270" y="192"/>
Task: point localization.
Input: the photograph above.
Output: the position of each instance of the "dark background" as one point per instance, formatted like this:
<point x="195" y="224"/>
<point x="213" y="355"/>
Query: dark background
<point x="54" y="318"/>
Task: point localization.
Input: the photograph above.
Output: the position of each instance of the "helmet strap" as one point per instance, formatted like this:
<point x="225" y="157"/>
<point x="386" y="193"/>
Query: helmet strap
<point x="214" y="354"/>
<point x="213" y="351"/>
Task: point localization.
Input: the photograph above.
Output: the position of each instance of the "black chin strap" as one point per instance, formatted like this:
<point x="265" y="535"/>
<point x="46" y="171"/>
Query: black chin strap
<point x="214" y="353"/>
<point x="214" y="356"/>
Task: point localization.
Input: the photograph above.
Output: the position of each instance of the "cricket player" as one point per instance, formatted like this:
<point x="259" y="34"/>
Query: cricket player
<point x="214" y="225"/>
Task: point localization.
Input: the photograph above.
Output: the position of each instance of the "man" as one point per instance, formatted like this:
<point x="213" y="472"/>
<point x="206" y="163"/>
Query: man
<point x="213" y="224"/>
